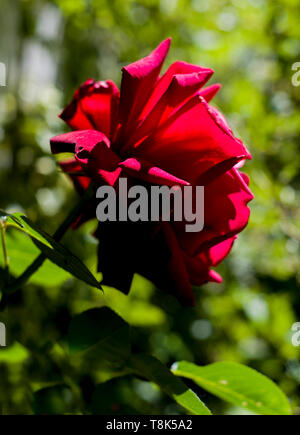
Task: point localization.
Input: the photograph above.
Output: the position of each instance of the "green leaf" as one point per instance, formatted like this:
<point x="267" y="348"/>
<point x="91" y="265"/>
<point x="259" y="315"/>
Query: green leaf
<point x="152" y="369"/>
<point x="63" y="258"/>
<point x="21" y="254"/>
<point x="136" y="312"/>
<point x="53" y="250"/>
<point x="19" y="221"/>
<point x="100" y="334"/>
<point x="237" y="384"/>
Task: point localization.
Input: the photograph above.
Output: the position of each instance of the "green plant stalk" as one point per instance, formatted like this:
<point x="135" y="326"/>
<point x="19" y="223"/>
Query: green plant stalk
<point x="59" y="233"/>
<point x="5" y="254"/>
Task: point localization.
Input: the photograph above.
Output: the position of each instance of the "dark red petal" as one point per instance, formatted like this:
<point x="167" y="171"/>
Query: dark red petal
<point x="199" y="270"/>
<point x="95" y="156"/>
<point x="72" y="168"/>
<point x="92" y="151"/>
<point x="225" y="213"/>
<point x="84" y="138"/>
<point x="142" y="169"/>
<point x="199" y="266"/>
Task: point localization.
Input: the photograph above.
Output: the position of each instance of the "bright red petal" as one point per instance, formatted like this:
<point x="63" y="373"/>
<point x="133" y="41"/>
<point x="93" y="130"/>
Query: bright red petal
<point x="217" y="253"/>
<point x="137" y="84"/>
<point x="209" y="92"/>
<point x="180" y="89"/>
<point x="191" y="143"/>
<point x="94" y="106"/>
<point x="177" y="68"/>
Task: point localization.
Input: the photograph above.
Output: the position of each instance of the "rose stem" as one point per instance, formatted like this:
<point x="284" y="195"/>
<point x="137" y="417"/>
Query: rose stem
<point x="5" y="255"/>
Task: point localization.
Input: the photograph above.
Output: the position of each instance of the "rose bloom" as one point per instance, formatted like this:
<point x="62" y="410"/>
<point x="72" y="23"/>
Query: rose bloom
<point x="158" y="130"/>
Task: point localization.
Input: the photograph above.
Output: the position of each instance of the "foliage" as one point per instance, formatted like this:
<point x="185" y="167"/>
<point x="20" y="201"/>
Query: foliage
<point x="50" y="47"/>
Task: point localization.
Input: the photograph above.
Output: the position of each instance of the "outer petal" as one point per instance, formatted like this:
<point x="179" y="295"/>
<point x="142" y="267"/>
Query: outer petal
<point x="177" y="68"/>
<point x="199" y="266"/>
<point x="143" y="170"/>
<point x="93" y="153"/>
<point x="192" y="143"/>
<point x="85" y="139"/>
<point x="225" y="214"/>
<point x="94" y="106"/>
<point x="72" y="168"/>
<point x="73" y="114"/>
<point x="217" y="253"/>
<point x="209" y="92"/>
<point x="199" y="270"/>
<point x="137" y="84"/>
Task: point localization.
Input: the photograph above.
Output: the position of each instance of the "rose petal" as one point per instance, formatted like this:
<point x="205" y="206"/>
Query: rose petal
<point x="225" y="213"/>
<point x="181" y="88"/>
<point x="191" y="143"/>
<point x="209" y="92"/>
<point x="86" y="139"/>
<point x="177" y="68"/>
<point x="94" y="106"/>
<point x="199" y="270"/>
<point x="217" y="253"/>
<point x="137" y="83"/>
<point x="73" y="114"/>
<point x="142" y="169"/>
<point x="72" y="168"/>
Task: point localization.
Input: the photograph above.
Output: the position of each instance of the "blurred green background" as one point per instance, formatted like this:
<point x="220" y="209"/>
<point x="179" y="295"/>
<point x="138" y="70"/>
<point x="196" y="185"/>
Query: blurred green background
<point x="50" y="47"/>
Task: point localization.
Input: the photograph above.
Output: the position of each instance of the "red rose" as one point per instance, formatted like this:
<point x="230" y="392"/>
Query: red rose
<point x="159" y="130"/>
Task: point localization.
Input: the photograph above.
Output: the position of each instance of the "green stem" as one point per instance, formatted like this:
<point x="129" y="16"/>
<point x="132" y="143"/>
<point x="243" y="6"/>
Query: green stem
<point x="59" y="233"/>
<point x="5" y="255"/>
